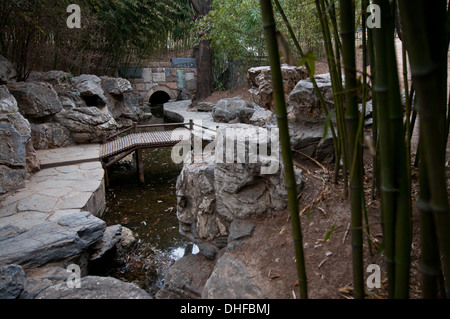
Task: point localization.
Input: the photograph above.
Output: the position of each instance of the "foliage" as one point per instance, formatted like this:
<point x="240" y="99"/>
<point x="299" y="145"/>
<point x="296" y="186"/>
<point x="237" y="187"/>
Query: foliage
<point x="35" y="35"/>
<point x="234" y="28"/>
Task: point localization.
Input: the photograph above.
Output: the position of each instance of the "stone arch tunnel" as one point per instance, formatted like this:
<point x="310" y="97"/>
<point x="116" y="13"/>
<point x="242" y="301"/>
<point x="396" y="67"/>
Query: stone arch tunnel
<point x="159" y="95"/>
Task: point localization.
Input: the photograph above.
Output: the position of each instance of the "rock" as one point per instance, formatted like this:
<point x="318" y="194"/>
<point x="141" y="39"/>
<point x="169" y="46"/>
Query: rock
<point x="229" y="109"/>
<point x="205" y="106"/>
<point x="259" y="81"/>
<point x="41" y="278"/>
<point x="90" y="88"/>
<point x="49" y="135"/>
<point x="12" y="281"/>
<point x="240" y="229"/>
<point x="111" y="237"/>
<point x="184" y="94"/>
<point x="56" y="77"/>
<point x="231" y="279"/>
<point x="127" y="240"/>
<point x="94" y="287"/>
<point x="263" y="118"/>
<point x="303" y="103"/>
<point x="308" y="139"/>
<point x="8" y="104"/>
<point x="186" y="278"/>
<point x="7" y="71"/>
<point x="35" y="99"/>
<point x="32" y="243"/>
<point x="14" y="137"/>
<point x="87" y="124"/>
<point x="33" y="163"/>
<point x="211" y="195"/>
<point x="115" y="86"/>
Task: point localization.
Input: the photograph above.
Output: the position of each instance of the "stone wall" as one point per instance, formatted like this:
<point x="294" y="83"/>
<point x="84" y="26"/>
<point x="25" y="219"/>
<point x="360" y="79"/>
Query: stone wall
<point x="176" y="75"/>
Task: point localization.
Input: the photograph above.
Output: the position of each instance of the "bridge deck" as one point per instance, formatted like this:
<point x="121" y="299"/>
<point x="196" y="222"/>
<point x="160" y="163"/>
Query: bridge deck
<point x="142" y="140"/>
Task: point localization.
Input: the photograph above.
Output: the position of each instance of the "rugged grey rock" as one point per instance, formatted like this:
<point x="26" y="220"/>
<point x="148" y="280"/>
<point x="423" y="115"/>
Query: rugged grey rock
<point x="12" y="281"/>
<point x="7" y="71"/>
<point x="211" y="195"/>
<point x="35" y="99"/>
<point x="186" y="278"/>
<point x="32" y="245"/>
<point x="231" y="279"/>
<point x="94" y="287"/>
<point x="14" y="144"/>
<point x="50" y="135"/>
<point x="230" y="109"/>
<point x="259" y="82"/>
<point x="90" y="88"/>
<point x="87" y="124"/>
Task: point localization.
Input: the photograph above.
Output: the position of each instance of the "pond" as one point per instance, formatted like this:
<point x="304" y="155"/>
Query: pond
<point x="149" y="210"/>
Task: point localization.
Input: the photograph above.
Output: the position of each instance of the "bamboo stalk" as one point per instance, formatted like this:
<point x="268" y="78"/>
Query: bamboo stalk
<point x="426" y="39"/>
<point x="280" y="108"/>
<point x="354" y="141"/>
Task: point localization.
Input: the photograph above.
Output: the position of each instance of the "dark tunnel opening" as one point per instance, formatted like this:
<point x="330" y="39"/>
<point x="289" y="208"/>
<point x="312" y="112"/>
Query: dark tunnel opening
<point x="159" y="98"/>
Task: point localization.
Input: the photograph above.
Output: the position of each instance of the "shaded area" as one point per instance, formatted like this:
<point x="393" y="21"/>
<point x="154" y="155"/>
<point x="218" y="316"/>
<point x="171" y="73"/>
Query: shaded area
<point x="149" y="210"/>
<point x="159" y="97"/>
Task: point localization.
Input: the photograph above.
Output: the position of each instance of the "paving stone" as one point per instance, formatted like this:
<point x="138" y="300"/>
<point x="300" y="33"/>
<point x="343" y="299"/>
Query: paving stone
<point x="39" y="203"/>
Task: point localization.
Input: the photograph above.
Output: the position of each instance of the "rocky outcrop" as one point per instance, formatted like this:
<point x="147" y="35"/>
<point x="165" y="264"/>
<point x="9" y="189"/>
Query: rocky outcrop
<point x="211" y="195"/>
<point x="87" y="124"/>
<point x="17" y="156"/>
<point x="50" y="135"/>
<point x="259" y="82"/>
<point x="35" y="100"/>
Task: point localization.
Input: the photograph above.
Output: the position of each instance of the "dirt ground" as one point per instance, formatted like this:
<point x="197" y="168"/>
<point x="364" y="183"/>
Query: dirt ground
<point x="325" y="220"/>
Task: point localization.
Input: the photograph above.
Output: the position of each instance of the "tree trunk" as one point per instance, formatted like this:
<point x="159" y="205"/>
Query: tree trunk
<point x="204" y="70"/>
<point x="204" y="59"/>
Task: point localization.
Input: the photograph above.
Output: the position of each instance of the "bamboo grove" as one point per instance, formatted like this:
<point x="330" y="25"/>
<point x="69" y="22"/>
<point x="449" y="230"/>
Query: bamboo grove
<point x="424" y="28"/>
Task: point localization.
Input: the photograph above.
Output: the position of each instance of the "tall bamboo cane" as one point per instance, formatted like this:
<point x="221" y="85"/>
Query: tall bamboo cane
<point x="280" y="108"/>
<point x="395" y="181"/>
<point x="352" y="116"/>
<point x="426" y="39"/>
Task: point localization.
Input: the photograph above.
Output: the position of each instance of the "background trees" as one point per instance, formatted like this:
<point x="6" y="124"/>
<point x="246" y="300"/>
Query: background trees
<point x="34" y="34"/>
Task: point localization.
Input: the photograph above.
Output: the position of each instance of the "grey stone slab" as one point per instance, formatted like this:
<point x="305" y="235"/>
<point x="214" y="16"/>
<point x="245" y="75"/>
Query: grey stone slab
<point x="39" y="203"/>
<point x="75" y="200"/>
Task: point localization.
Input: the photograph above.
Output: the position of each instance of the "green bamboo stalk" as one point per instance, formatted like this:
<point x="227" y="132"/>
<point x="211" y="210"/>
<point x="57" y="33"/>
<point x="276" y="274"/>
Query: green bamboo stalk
<point x="336" y="141"/>
<point x="336" y="81"/>
<point x="430" y="266"/>
<point x="352" y="117"/>
<point x="395" y="182"/>
<point x="280" y="108"/>
<point x="426" y="39"/>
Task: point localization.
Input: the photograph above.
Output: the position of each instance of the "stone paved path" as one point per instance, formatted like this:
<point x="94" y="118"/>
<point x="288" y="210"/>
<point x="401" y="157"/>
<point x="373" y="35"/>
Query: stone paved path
<point x="69" y="155"/>
<point x="53" y="216"/>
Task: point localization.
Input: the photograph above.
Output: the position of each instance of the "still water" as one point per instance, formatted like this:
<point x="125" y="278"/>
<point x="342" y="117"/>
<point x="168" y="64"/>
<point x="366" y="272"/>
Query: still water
<point x="149" y="210"/>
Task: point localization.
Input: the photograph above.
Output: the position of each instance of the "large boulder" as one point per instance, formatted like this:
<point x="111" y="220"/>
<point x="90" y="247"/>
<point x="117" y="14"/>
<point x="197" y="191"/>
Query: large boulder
<point x="231" y="109"/>
<point x="50" y="135"/>
<point x="27" y="241"/>
<point x="259" y="82"/>
<point x="14" y="143"/>
<point x="12" y="281"/>
<point x="231" y="279"/>
<point x="303" y="102"/>
<point x="35" y="99"/>
<point x="7" y="71"/>
<point x="90" y="88"/>
<point x="95" y="287"/>
<point x="87" y="124"/>
<point x="214" y="191"/>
